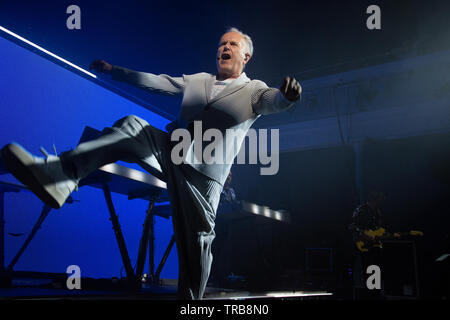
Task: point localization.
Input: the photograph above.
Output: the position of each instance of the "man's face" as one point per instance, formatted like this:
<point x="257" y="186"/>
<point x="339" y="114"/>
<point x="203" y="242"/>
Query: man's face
<point x="231" y="55"/>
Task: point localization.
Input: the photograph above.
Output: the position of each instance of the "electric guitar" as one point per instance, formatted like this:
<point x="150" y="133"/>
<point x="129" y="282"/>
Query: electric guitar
<point x="373" y="238"/>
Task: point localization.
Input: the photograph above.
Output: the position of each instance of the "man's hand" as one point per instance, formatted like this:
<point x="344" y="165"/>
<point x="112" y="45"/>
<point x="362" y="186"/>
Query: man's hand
<point x="291" y="89"/>
<point x="101" y="66"/>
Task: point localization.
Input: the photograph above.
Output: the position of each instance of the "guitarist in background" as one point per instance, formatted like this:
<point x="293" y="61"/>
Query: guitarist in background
<point x="368" y="217"/>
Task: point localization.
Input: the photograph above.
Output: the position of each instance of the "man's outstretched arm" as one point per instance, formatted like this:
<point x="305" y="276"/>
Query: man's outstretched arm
<point x="162" y="84"/>
<point x="267" y="100"/>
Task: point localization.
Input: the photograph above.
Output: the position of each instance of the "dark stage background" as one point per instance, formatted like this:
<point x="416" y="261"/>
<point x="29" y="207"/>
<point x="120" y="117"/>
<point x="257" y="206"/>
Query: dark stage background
<point x="318" y="187"/>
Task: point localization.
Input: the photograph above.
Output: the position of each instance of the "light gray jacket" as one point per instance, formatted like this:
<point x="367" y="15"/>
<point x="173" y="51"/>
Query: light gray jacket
<point x="237" y="106"/>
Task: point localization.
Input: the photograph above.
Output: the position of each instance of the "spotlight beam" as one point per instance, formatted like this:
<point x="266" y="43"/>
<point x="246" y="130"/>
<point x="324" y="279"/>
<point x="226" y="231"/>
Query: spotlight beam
<point x="47" y="52"/>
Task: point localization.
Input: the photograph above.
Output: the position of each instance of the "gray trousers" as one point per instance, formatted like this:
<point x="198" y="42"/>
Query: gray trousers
<point x="194" y="197"/>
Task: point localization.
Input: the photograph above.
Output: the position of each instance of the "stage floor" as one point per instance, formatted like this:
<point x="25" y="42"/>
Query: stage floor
<point x="49" y="289"/>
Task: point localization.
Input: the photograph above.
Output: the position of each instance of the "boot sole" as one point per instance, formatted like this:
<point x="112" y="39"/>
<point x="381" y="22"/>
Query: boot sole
<point x="18" y="163"/>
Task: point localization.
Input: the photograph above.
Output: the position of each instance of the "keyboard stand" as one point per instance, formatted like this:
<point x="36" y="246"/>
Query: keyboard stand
<point x="110" y="178"/>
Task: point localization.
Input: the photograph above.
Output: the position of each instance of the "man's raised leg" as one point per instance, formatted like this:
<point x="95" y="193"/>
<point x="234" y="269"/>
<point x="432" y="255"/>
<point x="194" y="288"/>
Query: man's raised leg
<point x="54" y="178"/>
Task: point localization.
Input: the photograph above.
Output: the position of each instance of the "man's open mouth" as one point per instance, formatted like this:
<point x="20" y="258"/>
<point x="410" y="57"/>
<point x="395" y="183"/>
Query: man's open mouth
<point x="225" y="56"/>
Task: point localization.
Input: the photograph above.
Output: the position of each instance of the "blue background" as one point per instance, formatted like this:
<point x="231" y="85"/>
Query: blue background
<point x="43" y="104"/>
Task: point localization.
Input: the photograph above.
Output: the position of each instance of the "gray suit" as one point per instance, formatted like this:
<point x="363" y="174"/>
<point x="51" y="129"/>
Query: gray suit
<point x="237" y="106"/>
<point x="194" y="189"/>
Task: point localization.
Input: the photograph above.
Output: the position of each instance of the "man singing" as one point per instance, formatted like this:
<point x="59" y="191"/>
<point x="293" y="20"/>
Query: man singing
<point x="228" y="99"/>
